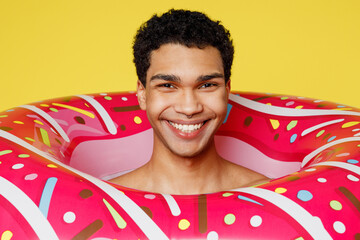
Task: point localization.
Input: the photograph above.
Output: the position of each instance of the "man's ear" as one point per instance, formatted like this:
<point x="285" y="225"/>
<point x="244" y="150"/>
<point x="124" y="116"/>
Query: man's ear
<point x="141" y="95"/>
<point x="228" y="87"/>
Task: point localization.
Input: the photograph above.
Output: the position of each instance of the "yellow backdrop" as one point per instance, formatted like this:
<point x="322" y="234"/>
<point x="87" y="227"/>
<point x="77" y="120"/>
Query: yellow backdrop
<point x="57" y="48"/>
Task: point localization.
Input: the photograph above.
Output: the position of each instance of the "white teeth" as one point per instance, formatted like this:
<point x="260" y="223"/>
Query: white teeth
<point x="187" y="127"/>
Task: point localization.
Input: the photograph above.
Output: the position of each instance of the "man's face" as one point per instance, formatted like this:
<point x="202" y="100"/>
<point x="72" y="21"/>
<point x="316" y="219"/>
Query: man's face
<point x="185" y="98"/>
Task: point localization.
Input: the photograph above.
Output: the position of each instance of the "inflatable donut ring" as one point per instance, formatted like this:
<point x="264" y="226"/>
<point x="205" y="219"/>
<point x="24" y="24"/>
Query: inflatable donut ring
<point x="56" y="155"/>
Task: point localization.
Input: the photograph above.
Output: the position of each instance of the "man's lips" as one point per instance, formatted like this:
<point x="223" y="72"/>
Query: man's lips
<point x="187" y="127"/>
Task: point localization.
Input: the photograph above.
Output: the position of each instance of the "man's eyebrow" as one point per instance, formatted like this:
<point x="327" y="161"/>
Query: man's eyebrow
<point x="209" y="77"/>
<point x="167" y="77"/>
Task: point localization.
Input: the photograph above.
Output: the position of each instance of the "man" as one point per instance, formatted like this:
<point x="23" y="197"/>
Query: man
<point x="183" y="61"/>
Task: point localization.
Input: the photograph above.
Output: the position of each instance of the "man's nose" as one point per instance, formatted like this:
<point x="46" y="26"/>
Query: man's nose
<point x="188" y="104"/>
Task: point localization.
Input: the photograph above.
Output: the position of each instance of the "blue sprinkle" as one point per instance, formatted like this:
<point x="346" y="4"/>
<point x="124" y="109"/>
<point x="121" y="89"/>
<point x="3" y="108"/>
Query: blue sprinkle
<point x="46" y="195"/>
<point x="332" y="138"/>
<point x="248" y="199"/>
<point x="293" y="138"/>
<point x="340" y="106"/>
<point x="304" y="195"/>
<point x="229" y="106"/>
<point x="353" y="161"/>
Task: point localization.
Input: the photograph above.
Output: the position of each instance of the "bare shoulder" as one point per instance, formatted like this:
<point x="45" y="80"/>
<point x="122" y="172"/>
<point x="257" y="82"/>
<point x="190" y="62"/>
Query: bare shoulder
<point x="240" y="176"/>
<point x="133" y="179"/>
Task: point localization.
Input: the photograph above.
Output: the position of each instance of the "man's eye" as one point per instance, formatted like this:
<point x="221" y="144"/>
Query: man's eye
<point x="166" y="85"/>
<point x="207" y="85"/>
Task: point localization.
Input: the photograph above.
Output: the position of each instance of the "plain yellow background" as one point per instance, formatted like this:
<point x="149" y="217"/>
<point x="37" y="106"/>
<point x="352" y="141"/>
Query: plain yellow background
<point x="57" y="48"/>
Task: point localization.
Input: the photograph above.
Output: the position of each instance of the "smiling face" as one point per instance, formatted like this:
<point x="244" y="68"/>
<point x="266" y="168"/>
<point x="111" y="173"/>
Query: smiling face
<point x="185" y="98"/>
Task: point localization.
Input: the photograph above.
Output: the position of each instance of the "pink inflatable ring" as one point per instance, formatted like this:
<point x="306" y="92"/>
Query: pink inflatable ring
<point x="56" y="156"/>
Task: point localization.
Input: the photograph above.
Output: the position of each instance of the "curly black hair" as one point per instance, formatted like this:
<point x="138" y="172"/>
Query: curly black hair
<point x="188" y="28"/>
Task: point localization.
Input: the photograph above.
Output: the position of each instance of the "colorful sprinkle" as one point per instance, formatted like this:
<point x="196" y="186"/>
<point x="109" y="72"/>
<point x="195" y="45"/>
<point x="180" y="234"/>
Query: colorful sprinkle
<point x="339" y="227"/>
<point x="229" y="107"/>
<point x="38" y="122"/>
<point x="276" y="137"/>
<point x="3" y="116"/>
<point x="79" y="110"/>
<point x="45" y="137"/>
<point x="4" y="128"/>
<point x="349" y="124"/>
<point x="29" y="139"/>
<point x="137" y="120"/>
<point x="23" y="155"/>
<point x="229" y="219"/>
<point x="3" y="152"/>
<point x="284" y="98"/>
<point x="120" y="222"/>
<point x="352" y="178"/>
<point x="336" y="205"/>
<point x="124" y="98"/>
<point x="320" y="133"/>
<point x="87" y="232"/>
<point x="293" y="138"/>
<point x="184" y="224"/>
<point x="304" y="195"/>
<point x="299" y="107"/>
<point x="51" y="165"/>
<point x="352" y="161"/>
<point x="342" y="154"/>
<point x="212" y="236"/>
<point x="332" y="138"/>
<point x="255" y="221"/>
<point x="289" y="103"/>
<point x="103" y="94"/>
<point x="85" y="193"/>
<point x="291" y="125"/>
<point x="310" y="170"/>
<point x="248" y="199"/>
<point x="227" y="194"/>
<point x="44" y="105"/>
<point x="275" y="123"/>
<point x="248" y="121"/>
<point x="17" y="166"/>
<point x="53" y="109"/>
<point x="280" y="190"/>
<point x="149" y="196"/>
<point x="322" y="180"/>
<point x="108" y="98"/>
<point x="31" y="176"/>
<point x="147" y="211"/>
<point x="79" y="119"/>
<point x="69" y="217"/>
<point x="7" y="235"/>
<point x="18" y="122"/>
<point x="46" y="195"/>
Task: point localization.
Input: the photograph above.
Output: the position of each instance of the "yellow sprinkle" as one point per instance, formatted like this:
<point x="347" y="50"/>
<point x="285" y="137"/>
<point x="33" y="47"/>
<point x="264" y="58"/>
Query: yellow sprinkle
<point x="229" y="219"/>
<point x="320" y="133"/>
<point x="120" y="222"/>
<point x="299" y="107"/>
<point x="86" y="104"/>
<point x="269" y="104"/>
<point x="44" y="105"/>
<point x="3" y="116"/>
<point x="280" y="190"/>
<point x="299" y="238"/>
<point x="18" y="122"/>
<point x="343" y="109"/>
<point x="45" y="137"/>
<point x="291" y="125"/>
<point x="227" y="194"/>
<point x="86" y="113"/>
<point x="184" y="224"/>
<point x="30" y="139"/>
<point x="274" y="123"/>
<point x="349" y="124"/>
<point x="137" y="120"/>
<point x="7" y="235"/>
<point x="38" y="122"/>
<point x="51" y="165"/>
